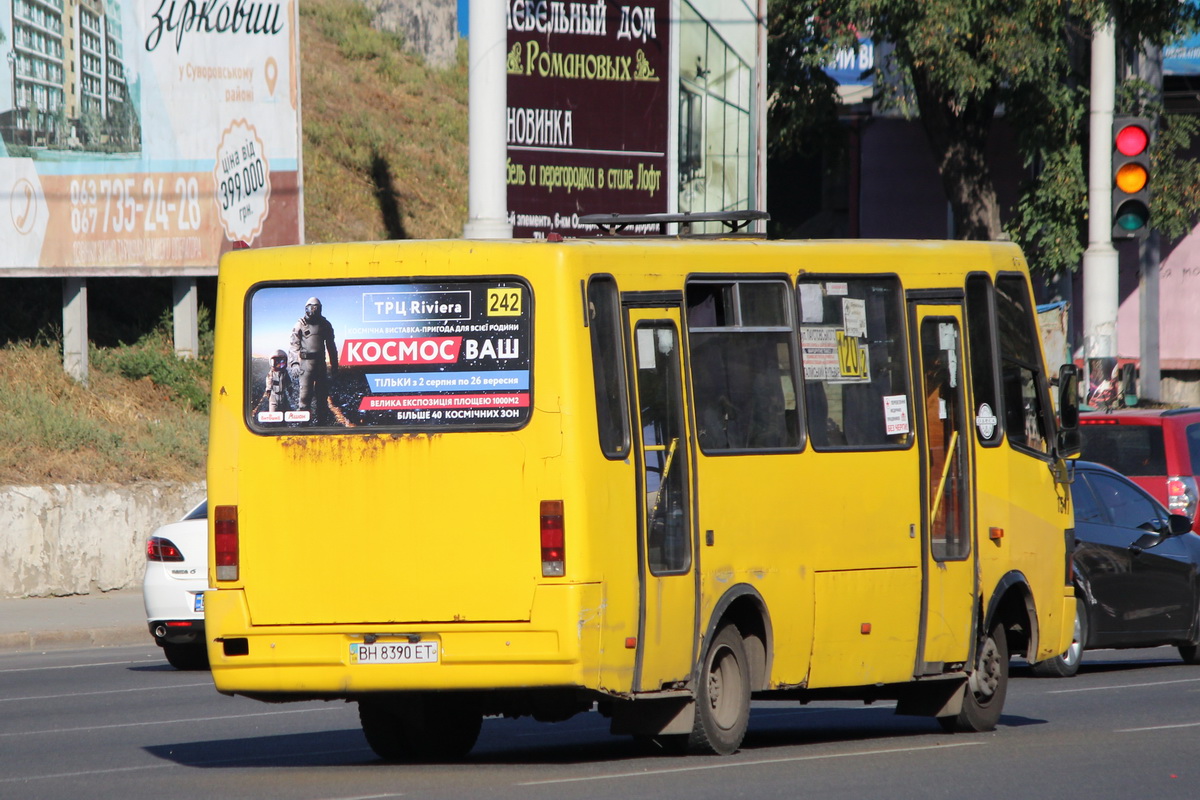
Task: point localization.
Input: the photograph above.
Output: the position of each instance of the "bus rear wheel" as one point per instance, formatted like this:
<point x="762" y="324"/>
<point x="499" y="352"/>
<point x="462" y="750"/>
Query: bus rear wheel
<point x="986" y="688"/>
<point x="420" y="727"/>
<point x="723" y="699"/>
<point x="189" y="656"/>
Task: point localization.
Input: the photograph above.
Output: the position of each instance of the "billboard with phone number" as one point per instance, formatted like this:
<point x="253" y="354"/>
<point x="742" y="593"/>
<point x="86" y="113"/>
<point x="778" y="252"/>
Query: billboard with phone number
<point x="148" y="134"/>
<point x="408" y="356"/>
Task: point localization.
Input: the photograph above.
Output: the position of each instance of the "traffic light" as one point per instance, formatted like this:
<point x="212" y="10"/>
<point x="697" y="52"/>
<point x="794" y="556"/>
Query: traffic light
<point x="1131" y="178"/>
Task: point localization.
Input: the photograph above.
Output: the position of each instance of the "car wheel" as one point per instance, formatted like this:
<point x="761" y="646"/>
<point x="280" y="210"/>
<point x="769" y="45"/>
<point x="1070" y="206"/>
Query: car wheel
<point x="1066" y="665"/>
<point x="191" y="656"/>
<point x="986" y="688"/>
<point x="1189" y="653"/>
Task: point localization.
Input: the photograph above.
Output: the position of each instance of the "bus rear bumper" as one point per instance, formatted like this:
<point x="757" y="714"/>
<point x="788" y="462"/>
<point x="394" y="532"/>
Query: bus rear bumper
<point x="298" y="661"/>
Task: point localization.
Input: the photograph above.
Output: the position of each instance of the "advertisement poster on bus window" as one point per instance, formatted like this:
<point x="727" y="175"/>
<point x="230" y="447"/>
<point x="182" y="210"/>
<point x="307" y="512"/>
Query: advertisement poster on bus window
<point x="147" y="134"/>
<point x="401" y="356"/>
<point x="588" y="113"/>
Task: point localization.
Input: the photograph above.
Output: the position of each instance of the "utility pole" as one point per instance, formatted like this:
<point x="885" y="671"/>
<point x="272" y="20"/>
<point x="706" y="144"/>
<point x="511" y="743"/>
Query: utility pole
<point x="487" y="118"/>
<point x="1100" y="260"/>
<point x="1149" y="257"/>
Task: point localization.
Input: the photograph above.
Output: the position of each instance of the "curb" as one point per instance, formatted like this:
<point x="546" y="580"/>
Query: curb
<point x="28" y="641"/>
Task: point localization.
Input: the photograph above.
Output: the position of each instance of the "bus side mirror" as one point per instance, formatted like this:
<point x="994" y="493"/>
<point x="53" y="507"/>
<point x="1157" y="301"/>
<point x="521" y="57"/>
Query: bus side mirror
<point x="1069" y="444"/>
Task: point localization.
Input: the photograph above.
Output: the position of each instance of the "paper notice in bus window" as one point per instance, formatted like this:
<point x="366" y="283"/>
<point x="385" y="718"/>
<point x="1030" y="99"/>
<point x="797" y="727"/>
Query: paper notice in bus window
<point x="645" y="348"/>
<point x="854" y="317"/>
<point x="895" y="414"/>
<point x="819" y="350"/>
<point x="812" y="303"/>
<point x="449" y="354"/>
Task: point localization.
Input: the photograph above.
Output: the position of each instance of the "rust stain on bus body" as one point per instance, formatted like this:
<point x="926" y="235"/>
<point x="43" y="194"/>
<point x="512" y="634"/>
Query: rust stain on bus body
<point x="349" y="449"/>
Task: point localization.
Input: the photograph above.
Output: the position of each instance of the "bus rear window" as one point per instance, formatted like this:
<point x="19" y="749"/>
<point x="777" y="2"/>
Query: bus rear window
<point x="401" y="356"/>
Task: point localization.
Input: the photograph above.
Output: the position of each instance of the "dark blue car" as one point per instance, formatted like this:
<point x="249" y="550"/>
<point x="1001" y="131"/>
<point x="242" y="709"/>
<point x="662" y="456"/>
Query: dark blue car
<point x="1137" y="571"/>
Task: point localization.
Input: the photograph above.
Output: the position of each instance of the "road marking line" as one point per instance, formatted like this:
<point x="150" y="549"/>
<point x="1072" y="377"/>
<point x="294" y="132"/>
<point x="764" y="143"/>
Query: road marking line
<point x="109" y="691"/>
<point x="170" y="721"/>
<point x="212" y="762"/>
<point x="1122" y="686"/>
<point x="1158" y="727"/>
<point x="146" y="660"/>
<point x="754" y="763"/>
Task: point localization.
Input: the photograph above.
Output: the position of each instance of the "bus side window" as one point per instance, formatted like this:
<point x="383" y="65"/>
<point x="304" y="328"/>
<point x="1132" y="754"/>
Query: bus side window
<point x="612" y="405"/>
<point x="855" y="363"/>
<point x="740" y="343"/>
<point x="984" y="365"/>
<point x="1023" y="383"/>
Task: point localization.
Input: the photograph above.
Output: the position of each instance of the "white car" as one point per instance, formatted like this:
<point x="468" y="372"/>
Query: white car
<point x="174" y="585"/>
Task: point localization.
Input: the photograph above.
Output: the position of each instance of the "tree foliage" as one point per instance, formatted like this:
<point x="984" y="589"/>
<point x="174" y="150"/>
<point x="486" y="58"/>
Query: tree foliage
<point x="959" y="65"/>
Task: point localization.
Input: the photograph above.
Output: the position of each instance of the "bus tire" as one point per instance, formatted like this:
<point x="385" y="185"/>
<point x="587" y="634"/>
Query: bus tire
<point x="1067" y="664"/>
<point x="189" y="656"/>
<point x="421" y="727"/>
<point x="723" y="698"/>
<point x="986" y="688"/>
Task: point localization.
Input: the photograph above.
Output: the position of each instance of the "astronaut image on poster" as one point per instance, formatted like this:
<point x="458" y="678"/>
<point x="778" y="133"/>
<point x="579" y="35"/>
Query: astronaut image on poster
<point x="396" y="355"/>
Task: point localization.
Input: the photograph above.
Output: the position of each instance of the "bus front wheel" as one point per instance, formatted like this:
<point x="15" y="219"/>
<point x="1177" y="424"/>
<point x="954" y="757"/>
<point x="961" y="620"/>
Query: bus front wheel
<point x="986" y="688"/>
<point x="723" y="699"/>
<point x="427" y="727"/>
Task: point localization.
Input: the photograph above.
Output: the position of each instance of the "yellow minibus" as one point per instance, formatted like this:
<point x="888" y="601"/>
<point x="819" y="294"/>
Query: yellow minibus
<point x="652" y="477"/>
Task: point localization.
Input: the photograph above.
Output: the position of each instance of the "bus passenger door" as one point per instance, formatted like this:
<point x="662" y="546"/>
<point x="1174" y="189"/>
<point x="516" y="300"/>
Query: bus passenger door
<point x="949" y="586"/>
<point x="667" y="591"/>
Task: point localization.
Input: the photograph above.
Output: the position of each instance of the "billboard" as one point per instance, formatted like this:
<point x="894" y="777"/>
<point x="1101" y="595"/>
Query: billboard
<point x="147" y="133"/>
<point x="1182" y="56"/>
<point x="853" y="66"/>
<point x="588" y="112"/>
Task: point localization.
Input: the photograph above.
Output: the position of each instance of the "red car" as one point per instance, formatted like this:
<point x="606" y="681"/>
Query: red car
<point x="1158" y="449"/>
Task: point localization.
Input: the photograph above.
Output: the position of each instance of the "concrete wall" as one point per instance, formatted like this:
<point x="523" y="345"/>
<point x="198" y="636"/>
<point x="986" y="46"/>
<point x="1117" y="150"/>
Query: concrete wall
<point x="63" y="540"/>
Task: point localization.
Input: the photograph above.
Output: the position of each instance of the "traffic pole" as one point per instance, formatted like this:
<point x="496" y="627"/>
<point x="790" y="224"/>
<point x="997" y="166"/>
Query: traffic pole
<point x="487" y="116"/>
<point x="1100" y="260"/>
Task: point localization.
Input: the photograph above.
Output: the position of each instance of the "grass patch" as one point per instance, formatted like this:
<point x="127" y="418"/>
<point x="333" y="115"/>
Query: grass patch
<point x="153" y="357"/>
<point x="373" y="112"/>
<point x="142" y="415"/>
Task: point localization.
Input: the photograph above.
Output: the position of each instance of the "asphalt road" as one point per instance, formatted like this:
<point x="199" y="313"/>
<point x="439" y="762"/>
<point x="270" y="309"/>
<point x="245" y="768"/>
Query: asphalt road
<point x="120" y="723"/>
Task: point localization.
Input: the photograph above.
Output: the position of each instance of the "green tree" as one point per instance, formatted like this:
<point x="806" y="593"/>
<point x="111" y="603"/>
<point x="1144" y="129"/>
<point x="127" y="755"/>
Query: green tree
<point x="60" y="125"/>
<point x="957" y="65"/>
<point x="93" y="126"/>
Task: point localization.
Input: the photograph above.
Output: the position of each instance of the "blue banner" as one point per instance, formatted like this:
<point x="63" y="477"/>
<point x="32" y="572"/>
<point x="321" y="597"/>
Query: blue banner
<point x="852" y="66"/>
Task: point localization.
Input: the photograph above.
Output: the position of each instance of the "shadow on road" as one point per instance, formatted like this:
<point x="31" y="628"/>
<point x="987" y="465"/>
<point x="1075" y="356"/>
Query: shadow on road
<point x="582" y="740"/>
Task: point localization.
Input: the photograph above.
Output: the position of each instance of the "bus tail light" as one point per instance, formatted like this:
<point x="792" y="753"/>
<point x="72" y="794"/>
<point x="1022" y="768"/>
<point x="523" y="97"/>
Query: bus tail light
<point x="225" y="539"/>
<point x="1181" y="495"/>
<point x="553" y="541"/>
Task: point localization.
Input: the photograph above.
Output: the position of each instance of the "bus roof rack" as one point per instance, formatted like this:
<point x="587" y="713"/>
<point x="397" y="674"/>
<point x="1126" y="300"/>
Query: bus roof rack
<point x="734" y="221"/>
